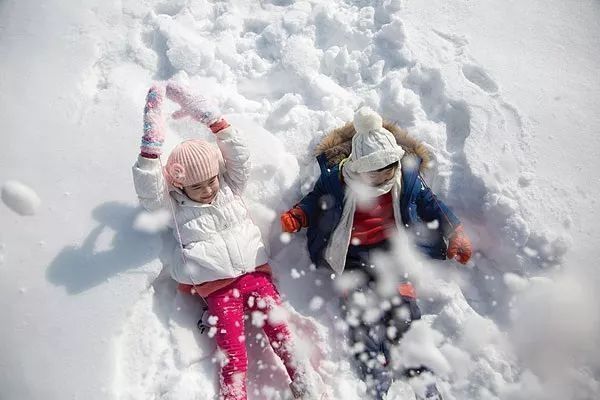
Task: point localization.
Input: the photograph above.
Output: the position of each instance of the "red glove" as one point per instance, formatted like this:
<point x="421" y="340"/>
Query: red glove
<point x="293" y="220"/>
<point x="460" y="247"/>
<point x="406" y="289"/>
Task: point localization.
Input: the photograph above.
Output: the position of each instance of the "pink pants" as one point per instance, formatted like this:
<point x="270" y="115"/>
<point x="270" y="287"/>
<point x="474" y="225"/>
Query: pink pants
<point x="251" y="292"/>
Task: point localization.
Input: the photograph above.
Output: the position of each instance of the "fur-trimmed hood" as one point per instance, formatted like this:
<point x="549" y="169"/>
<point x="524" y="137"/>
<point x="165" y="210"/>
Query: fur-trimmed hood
<point x="337" y="144"/>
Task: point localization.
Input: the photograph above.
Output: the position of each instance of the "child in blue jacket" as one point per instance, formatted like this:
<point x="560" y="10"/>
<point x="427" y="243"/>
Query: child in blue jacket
<point x="370" y="187"/>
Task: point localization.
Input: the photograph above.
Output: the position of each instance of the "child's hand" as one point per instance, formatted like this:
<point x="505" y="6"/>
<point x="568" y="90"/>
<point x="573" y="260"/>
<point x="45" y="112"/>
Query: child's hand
<point x="460" y="247"/>
<point x="293" y="220"/>
<point x="154" y="135"/>
<point x="192" y="105"/>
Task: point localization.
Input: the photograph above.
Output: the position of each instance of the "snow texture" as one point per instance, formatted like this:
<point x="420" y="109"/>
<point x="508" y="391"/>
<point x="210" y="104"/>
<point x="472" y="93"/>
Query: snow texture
<point x="504" y="94"/>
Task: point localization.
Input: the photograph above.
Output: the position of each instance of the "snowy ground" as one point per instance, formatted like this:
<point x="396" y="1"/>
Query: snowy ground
<point x="504" y="92"/>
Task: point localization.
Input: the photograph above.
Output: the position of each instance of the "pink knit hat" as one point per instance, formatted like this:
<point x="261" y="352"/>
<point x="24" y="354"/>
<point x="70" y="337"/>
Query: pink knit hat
<point x="191" y="162"/>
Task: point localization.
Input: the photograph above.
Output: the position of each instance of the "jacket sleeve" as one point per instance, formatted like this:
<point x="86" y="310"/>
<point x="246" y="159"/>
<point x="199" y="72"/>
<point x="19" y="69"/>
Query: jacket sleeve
<point x="236" y="156"/>
<point x="430" y="208"/>
<point x="149" y="183"/>
<point x="311" y="203"/>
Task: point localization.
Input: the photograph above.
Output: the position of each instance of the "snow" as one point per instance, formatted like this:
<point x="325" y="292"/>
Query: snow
<point x="154" y="222"/>
<point x="505" y="94"/>
<point x="515" y="283"/>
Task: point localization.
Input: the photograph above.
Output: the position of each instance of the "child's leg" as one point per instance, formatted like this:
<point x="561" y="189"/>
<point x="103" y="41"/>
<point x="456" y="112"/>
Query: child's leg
<point x="367" y="339"/>
<point x="228" y="306"/>
<point x="276" y="330"/>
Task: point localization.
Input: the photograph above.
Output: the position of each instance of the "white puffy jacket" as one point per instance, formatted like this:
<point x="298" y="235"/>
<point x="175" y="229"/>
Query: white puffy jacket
<point x="219" y="239"/>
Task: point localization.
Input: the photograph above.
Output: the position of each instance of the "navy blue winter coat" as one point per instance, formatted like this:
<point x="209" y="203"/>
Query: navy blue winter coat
<point x="418" y="205"/>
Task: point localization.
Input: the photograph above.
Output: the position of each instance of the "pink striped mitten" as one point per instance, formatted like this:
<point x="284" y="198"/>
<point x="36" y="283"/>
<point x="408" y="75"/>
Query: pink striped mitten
<point x="154" y="132"/>
<point x="196" y="106"/>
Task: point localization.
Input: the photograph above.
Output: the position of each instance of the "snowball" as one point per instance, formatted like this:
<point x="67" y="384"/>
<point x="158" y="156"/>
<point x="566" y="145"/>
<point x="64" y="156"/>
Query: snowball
<point x="349" y="281"/>
<point x="258" y="319"/>
<point x="261" y="303"/>
<point x="20" y="198"/>
<point x="316" y="303"/>
<point x="391" y="332"/>
<point x="433" y="225"/>
<point x="285" y="237"/>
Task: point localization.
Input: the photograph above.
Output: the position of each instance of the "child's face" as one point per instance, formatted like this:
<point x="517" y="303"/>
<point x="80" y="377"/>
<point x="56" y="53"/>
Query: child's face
<point x="203" y="192"/>
<point x="379" y="177"/>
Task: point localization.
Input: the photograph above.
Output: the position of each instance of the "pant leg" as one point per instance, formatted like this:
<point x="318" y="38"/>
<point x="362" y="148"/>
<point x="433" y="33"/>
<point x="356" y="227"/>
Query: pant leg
<point x="379" y="335"/>
<point x="277" y="331"/>
<point x="228" y="306"/>
<point x="367" y="338"/>
<point x="404" y="310"/>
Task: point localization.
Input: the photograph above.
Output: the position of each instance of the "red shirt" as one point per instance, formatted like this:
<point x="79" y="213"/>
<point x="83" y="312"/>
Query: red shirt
<point x="374" y="223"/>
<point x="207" y="288"/>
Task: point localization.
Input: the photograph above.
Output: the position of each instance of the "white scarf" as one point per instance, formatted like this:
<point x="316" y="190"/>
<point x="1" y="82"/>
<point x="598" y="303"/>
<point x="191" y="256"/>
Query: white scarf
<point x="357" y="191"/>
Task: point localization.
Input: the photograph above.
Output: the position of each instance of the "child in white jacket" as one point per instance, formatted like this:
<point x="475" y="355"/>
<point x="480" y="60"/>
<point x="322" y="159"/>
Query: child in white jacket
<point x="221" y="257"/>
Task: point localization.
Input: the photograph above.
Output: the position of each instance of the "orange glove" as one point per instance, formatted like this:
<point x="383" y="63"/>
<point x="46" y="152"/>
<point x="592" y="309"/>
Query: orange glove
<point x="293" y="220"/>
<point x="406" y="289"/>
<point x="460" y="247"/>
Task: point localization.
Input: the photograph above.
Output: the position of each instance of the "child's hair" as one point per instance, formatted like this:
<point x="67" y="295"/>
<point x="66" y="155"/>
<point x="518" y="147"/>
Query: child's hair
<point x="392" y="165"/>
<point x="191" y="162"/>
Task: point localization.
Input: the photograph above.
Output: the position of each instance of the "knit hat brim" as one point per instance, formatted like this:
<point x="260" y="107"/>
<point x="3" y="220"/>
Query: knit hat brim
<point x="375" y="160"/>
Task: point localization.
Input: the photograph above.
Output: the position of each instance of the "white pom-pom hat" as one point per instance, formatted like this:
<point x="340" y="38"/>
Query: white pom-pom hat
<point x="373" y="146"/>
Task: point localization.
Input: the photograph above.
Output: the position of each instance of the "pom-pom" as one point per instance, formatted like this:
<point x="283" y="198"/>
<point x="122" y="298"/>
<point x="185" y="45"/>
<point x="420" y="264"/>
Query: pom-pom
<point x="365" y="120"/>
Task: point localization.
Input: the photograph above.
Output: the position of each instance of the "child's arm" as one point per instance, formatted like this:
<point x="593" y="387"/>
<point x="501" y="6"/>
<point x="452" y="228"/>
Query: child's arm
<point x="430" y="208"/>
<point x="147" y="174"/>
<point x="231" y="143"/>
<point x="235" y="154"/>
<point x="299" y="216"/>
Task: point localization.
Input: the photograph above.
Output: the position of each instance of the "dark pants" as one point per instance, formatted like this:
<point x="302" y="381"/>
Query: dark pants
<point x="375" y="323"/>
